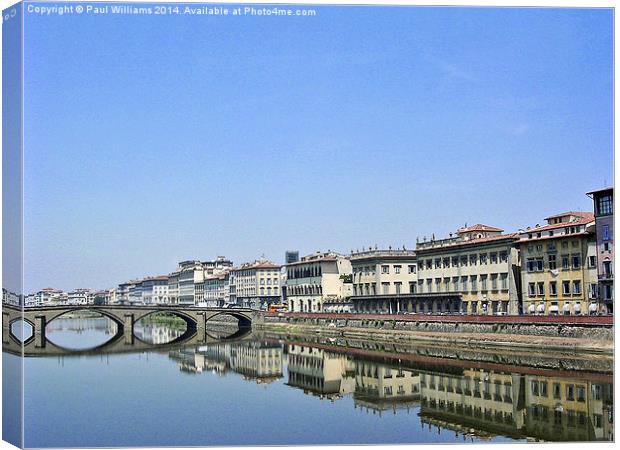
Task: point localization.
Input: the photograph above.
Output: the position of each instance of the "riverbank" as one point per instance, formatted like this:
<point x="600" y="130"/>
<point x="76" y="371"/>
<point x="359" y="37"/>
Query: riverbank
<point x="579" y="337"/>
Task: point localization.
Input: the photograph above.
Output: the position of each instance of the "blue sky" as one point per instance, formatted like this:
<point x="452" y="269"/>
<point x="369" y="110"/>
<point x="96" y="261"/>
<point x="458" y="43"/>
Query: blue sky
<point x="149" y="140"/>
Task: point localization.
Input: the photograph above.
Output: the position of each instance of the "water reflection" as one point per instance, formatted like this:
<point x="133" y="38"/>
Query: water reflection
<point x="158" y="330"/>
<point x="257" y="361"/>
<point x="355" y="391"/>
<point x="80" y="330"/>
<point x="515" y="402"/>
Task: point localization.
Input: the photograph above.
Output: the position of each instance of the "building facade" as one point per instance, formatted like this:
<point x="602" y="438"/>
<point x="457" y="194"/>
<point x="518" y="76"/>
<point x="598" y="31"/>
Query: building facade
<point x="559" y="266"/>
<point x="217" y="289"/>
<point x="604" y="222"/>
<point x="475" y="271"/>
<point x="316" y="279"/>
<point x="383" y="280"/>
<point x="257" y="284"/>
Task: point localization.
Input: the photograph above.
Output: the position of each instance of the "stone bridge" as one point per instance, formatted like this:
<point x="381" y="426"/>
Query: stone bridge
<point x="125" y="318"/>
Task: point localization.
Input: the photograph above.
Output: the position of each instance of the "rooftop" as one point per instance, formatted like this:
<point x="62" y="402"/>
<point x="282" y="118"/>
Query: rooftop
<point x="479" y="227"/>
<point x="259" y="264"/>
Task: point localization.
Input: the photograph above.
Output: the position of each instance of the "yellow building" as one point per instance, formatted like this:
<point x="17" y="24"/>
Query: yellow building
<point x="558" y="265"/>
<point x="475" y="271"/>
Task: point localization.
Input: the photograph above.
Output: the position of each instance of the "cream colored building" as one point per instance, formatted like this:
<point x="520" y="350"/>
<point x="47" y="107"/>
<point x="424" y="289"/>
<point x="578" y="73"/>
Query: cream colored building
<point x="257" y="284"/>
<point x="379" y="387"/>
<point x="476" y="271"/>
<point x="317" y="279"/>
<point x="381" y="277"/>
<point x="558" y="265"/>
<point x="326" y="375"/>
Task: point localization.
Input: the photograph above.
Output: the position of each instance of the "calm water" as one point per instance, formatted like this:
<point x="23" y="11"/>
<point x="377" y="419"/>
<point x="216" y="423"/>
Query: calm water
<point x="265" y="390"/>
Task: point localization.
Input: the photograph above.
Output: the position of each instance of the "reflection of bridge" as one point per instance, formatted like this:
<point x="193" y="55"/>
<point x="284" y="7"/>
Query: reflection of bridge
<point x="125" y="318"/>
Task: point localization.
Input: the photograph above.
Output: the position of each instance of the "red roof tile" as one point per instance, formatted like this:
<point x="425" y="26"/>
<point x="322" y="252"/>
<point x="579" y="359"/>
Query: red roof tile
<point x="478" y="227"/>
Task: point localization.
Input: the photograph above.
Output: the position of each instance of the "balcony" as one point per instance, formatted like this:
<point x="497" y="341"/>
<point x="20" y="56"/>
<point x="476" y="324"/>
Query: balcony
<point x="606" y="276"/>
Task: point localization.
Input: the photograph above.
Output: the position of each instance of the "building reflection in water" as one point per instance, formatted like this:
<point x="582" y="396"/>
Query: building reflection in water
<point x="518" y="402"/>
<point x="157" y="333"/>
<point x="257" y="361"/>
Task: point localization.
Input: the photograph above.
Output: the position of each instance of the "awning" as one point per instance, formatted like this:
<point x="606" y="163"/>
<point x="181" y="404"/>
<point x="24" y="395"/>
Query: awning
<point x="566" y="307"/>
<point x="532" y="308"/>
<point x="541" y="308"/>
<point x="577" y="308"/>
<point x="593" y="307"/>
<point x="553" y="308"/>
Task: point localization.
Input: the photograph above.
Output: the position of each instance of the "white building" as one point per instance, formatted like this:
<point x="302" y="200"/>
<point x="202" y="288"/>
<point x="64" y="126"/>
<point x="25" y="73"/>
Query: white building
<point x="317" y="279"/>
<point x="81" y="297"/>
<point x="217" y="289"/>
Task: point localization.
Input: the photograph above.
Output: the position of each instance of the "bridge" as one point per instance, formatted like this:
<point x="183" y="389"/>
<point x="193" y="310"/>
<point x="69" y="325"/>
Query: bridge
<point x="125" y="318"/>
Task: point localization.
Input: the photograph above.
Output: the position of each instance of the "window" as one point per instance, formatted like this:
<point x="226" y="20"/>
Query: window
<point x="474" y="282"/>
<point x="576" y="261"/>
<point x="385" y="269"/>
<point x="540" y="288"/>
<point x="576" y="287"/>
<point x="493" y="258"/>
<point x="565" y="262"/>
<point x="552" y="262"/>
<point x="605" y="232"/>
<point x="581" y="393"/>
<point x="534" y="385"/>
<point x="593" y="290"/>
<point x="483" y="258"/>
<point x="411" y="268"/>
<point x="494" y="281"/>
<point x="397" y="269"/>
<point x="483" y="282"/>
<point x="398" y="287"/>
<point x="531" y="289"/>
<point x="504" y="281"/>
<point x="566" y="287"/>
<point x="473" y="260"/>
<point x="543" y="388"/>
<point x="413" y="287"/>
<point x="570" y="392"/>
<point x="605" y="205"/>
<point x="564" y="244"/>
<point x="591" y="261"/>
<point x="385" y="288"/>
<point x="607" y="268"/>
<point x="534" y="264"/>
<point x="557" y="391"/>
<point x="503" y="257"/>
<point x="464" y="283"/>
<point x="596" y="392"/>
<point x="553" y="288"/>
<point x="455" y="282"/>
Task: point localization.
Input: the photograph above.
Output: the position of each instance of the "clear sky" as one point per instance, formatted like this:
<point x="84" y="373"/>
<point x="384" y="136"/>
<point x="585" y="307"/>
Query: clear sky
<point x="153" y="139"/>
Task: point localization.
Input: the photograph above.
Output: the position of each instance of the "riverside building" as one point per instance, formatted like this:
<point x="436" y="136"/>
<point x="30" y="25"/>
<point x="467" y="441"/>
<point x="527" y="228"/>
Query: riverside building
<point x="384" y="281"/>
<point x="317" y="279"/>
<point x="604" y="222"/>
<point x="475" y="271"/>
<point x="558" y="266"/>
<point x="216" y="289"/>
<point x="257" y="284"/>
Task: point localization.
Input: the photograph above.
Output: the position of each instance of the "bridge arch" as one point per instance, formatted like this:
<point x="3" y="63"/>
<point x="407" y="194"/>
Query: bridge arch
<point x="244" y="320"/>
<point x="113" y="317"/>
<point x="191" y="324"/>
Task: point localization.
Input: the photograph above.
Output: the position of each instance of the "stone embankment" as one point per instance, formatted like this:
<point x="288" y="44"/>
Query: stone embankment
<point x="592" y="334"/>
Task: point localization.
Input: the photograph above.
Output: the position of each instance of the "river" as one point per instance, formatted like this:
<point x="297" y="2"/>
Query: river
<point x="262" y="389"/>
